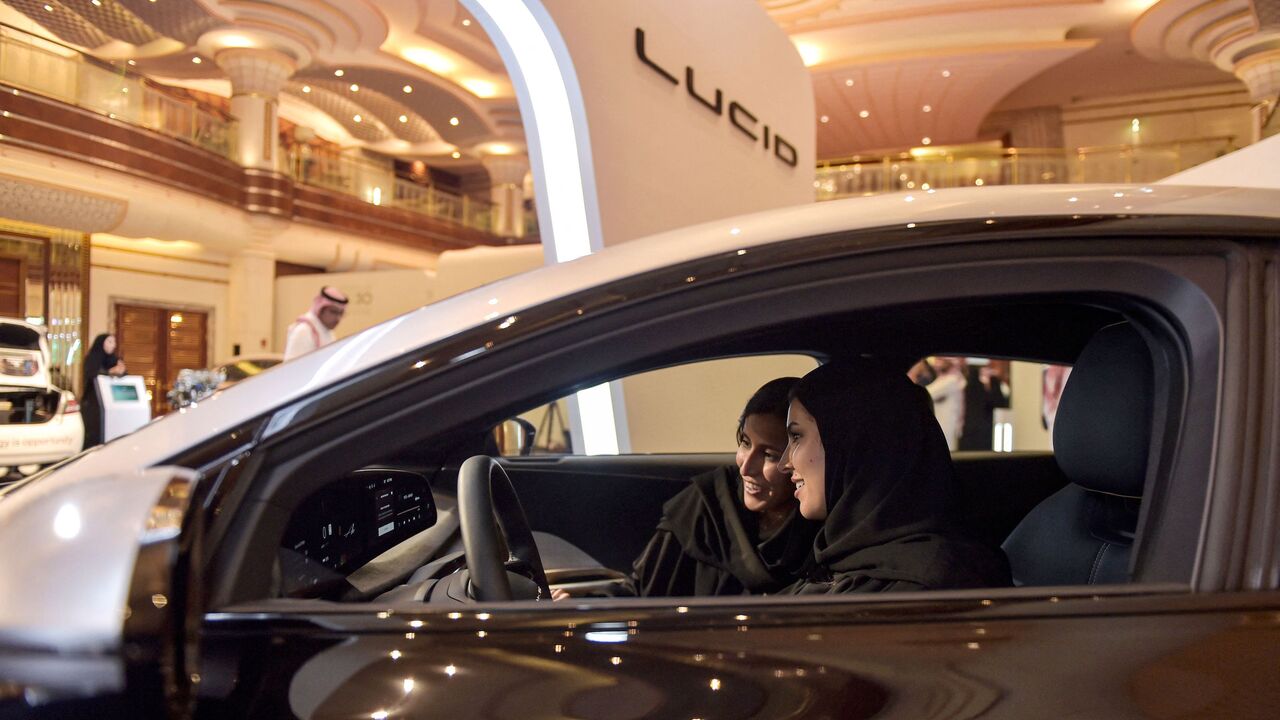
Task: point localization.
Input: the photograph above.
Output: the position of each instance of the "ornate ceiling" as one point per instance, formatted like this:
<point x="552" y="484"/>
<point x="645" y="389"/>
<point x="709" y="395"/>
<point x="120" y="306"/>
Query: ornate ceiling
<point x="887" y="73"/>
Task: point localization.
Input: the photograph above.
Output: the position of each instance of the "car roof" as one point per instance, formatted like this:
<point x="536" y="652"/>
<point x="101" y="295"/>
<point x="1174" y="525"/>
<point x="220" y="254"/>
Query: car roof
<point x="102" y="551"/>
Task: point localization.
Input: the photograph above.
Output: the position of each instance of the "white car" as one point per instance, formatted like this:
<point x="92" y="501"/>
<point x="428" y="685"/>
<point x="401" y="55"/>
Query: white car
<point x="318" y="541"/>
<point x="40" y="423"/>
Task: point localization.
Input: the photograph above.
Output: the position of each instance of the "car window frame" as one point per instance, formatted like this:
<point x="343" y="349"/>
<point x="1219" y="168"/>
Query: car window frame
<point x="1103" y="252"/>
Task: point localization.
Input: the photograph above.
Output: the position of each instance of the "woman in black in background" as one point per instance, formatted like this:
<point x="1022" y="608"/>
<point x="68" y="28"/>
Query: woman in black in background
<point x="735" y="529"/>
<point x="869" y="460"/>
<point x="101" y="360"/>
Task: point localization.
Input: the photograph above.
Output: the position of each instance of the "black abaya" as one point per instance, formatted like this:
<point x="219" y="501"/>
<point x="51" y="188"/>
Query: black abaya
<point x="889" y="490"/>
<point x="97" y="362"/>
<point x="708" y="543"/>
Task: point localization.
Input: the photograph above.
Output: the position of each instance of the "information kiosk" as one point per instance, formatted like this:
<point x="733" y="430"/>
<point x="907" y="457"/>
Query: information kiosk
<point x="125" y="405"/>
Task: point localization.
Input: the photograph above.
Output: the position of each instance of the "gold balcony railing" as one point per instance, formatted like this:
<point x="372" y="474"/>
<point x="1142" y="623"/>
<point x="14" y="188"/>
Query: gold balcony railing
<point x="967" y="166"/>
<point x="376" y="183"/>
<point x="55" y="71"/>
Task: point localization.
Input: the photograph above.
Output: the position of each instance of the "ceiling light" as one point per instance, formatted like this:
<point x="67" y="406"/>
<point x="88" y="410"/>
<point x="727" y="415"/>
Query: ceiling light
<point x="407" y="88"/>
<point x="429" y="59"/>
<point x="466" y="22"/>
<point x="848" y="82"/>
<point x="306" y="88"/>
<point x="357" y="118"/>
<point x="455" y="155"/>
<point x="355" y="87"/>
<point x="480" y="88"/>
<point x="196" y="60"/>
<point x="339" y="72"/>
<point x="926" y="141"/>
<point x="48" y="8"/>
<point x="978" y="182"/>
<point x="133" y="62"/>
<point x="96" y="3"/>
<point x="864" y="114"/>
<point x="404" y="118"/>
<point x="454" y="121"/>
<point x="810" y="54"/>
<point x="946" y="73"/>
<point x="927" y="108"/>
<point x="824" y="119"/>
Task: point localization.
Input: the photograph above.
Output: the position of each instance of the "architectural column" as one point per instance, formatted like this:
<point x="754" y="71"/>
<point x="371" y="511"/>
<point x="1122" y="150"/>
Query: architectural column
<point x="257" y="75"/>
<point x="251" y="290"/>
<point x="506" y="178"/>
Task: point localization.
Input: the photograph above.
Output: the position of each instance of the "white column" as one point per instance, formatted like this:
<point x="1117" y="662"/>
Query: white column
<point x="257" y="75"/>
<point x="251" y="295"/>
<point x="506" y="178"/>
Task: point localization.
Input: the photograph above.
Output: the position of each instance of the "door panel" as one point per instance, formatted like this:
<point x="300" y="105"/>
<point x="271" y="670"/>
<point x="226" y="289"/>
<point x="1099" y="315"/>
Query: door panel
<point x="1091" y="653"/>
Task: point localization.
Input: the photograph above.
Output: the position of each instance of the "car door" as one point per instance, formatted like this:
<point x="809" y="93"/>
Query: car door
<point x="1190" y="634"/>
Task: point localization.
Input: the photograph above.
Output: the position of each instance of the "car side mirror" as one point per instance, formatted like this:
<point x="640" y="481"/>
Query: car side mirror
<point x="514" y="437"/>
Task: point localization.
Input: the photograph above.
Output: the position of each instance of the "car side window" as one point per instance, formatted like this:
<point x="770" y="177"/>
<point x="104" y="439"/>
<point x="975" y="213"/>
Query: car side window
<point x="690" y="408"/>
<point x="988" y="404"/>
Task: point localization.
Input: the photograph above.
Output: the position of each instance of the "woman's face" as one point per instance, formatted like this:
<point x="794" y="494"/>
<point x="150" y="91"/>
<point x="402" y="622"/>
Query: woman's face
<point x="760" y="445"/>
<point x="109" y="345"/>
<point x="807" y="462"/>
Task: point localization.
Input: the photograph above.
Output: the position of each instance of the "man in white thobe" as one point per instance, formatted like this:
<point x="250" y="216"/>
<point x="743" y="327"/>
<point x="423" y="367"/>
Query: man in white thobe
<point x="314" y="328"/>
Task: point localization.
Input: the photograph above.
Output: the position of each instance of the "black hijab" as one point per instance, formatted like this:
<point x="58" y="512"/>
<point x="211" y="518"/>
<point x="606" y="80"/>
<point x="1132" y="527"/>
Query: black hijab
<point x="889" y="489"/>
<point x="98" y="361"/>
<point x="708" y="543"/>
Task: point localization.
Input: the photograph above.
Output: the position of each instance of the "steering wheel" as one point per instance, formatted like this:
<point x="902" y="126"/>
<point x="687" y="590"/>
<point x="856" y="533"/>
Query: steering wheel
<point x="485" y="494"/>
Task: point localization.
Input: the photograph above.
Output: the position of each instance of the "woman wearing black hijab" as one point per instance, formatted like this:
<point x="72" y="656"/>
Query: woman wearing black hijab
<point x="735" y="529"/>
<point x="868" y="459"/>
<point x="101" y="360"/>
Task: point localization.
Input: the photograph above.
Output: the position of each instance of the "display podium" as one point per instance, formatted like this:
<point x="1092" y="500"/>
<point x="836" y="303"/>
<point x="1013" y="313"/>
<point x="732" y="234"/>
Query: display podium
<point x="125" y="405"/>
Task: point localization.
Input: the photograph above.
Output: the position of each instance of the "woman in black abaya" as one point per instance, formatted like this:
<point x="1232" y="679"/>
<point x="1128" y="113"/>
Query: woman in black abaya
<point x="101" y="360"/>
<point x="869" y="460"/>
<point x="735" y="529"/>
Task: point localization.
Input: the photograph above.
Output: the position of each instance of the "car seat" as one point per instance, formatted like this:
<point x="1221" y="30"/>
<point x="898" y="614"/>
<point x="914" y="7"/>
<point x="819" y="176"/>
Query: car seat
<point x="1083" y="534"/>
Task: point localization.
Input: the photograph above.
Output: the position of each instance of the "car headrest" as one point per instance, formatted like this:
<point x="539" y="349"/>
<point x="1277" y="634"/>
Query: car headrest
<point x="1102" y="433"/>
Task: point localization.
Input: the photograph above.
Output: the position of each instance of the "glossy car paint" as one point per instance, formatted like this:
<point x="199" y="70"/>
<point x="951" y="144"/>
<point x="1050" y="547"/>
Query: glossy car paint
<point x="100" y="555"/>
<point x="1129" y="652"/>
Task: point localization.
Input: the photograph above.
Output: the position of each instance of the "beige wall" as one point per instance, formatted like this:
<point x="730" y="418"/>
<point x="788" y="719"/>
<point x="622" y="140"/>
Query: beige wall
<point x="117" y="276"/>
<point x="1200" y="112"/>
<point x="1026" y="394"/>
<point x="374" y="297"/>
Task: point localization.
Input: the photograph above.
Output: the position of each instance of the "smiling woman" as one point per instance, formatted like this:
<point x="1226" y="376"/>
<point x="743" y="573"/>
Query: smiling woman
<point x="869" y="459"/>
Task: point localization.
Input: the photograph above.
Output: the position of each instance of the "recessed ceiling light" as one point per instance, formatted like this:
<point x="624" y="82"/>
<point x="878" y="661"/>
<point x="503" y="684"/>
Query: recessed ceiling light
<point x="926" y="141"/>
<point x="864" y="114"/>
<point x="407" y="88"/>
<point x="306" y="88"/>
<point x="848" y="82"/>
<point x="404" y="118"/>
<point x="357" y="118"/>
<point x="454" y="121"/>
<point x="355" y="87"/>
<point x="466" y="22"/>
<point x="48" y="8"/>
<point x="946" y="73"/>
<point x="927" y="108"/>
<point x="824" y="119"/>
<point x="133" y="62"/>
<point x="196" y="60"/>
<point x="338" y="73"/>
<point x="96" y="3"/>
<point x="456" y="155"/>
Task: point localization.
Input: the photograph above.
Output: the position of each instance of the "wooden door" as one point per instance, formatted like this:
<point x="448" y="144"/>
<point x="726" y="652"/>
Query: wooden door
<point x="157" y="343"/>
<point x="12" y="288"/>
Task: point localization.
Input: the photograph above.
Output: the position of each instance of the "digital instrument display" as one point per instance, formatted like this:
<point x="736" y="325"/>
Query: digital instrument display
<point x="350" y="522"/>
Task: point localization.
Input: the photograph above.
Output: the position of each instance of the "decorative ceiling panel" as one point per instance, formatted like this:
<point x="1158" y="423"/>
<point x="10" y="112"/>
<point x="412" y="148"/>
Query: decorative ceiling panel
<point x="436" y="105"/>
<point x="113" y="19"/>
<point x="182" y="20"/>
<point x="60" y="20"/>
<point x="340" y="108"/>
<point x="386" y="109"/>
